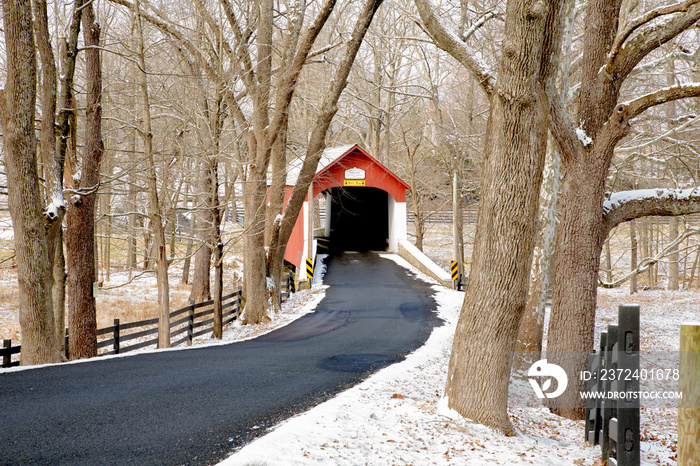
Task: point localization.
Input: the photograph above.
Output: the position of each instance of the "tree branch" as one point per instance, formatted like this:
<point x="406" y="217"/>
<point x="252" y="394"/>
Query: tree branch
<point x="649" y="261"/>
<point x="643" y="20"/>
<point x="637" y="106"/>
<point x="478" y="24"/>
<point x="628" y="51"/>
<point x="452" y="44"/>
<point x="242" y="52"/>
<point x="291" y="76"/>
<point x="629" y="205"/>
<point x="560" y="124"/>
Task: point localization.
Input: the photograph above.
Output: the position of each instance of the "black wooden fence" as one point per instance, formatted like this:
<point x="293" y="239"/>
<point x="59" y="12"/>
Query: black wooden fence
<point x="191" y="321"/>
<point x="612" y="406"/>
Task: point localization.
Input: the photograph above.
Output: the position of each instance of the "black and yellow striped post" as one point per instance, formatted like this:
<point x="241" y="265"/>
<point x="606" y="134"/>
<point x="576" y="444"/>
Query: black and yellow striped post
<point x="454" y="272"/>
<point x="310" y="270"/>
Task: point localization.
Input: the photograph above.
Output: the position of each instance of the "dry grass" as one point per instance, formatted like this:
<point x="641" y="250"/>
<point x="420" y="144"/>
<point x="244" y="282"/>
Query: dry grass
<point x="130" y="303"/>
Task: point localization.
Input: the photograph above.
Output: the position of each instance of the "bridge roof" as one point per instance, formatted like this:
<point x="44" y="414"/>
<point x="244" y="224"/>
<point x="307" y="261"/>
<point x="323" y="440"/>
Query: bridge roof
<point x="336" y="160"/>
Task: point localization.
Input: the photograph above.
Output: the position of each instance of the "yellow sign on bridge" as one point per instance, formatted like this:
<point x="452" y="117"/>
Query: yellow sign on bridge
<point x="354" y="183"/>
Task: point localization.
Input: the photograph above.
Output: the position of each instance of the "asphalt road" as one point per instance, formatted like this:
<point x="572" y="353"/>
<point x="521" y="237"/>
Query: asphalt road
<point x="198" y="405"/>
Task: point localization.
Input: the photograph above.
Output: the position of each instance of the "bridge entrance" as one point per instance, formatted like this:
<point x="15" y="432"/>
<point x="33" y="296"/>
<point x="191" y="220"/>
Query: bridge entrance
<point x="359" y="219"/>
<point x="365" y="207"/>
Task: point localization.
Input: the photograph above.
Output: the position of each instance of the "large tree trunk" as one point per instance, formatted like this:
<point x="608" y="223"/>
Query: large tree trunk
<point x="479" y="369"/>
<point x="259" y="146"/>
<point x="254" y="255"/>
<point x="276" y="192"/>
<point x="18" y="101"/>
<point x="80" y="218"/>
<point x="201" y="282"/>
<point x="609" y="57"/>
<point x="65" y="143"/>
<point x="579" y="245"/>
<point x="529" y="346"/>
<point x="53" y="170"/>
<point x="532" y="326"/>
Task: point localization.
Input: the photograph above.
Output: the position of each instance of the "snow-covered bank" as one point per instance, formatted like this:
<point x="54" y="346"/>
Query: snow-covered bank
<point x="393" y="418"/>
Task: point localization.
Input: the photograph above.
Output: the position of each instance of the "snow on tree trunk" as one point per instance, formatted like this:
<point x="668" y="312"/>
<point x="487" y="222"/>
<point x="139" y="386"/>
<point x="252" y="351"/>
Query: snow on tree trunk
<point x="18" y="102"/>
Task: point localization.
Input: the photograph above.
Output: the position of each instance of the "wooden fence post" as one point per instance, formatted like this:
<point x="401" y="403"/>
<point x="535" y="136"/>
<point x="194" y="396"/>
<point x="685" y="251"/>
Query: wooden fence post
<point x="218" y="290"/>
<point x="116" y="336"/>
<point x="6" y="357"/>
<point x="190" y="324"/>
<point x="689" y="405"/>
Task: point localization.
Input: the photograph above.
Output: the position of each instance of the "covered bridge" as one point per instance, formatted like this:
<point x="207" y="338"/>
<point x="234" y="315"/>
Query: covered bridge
<point x="365" y="206"/>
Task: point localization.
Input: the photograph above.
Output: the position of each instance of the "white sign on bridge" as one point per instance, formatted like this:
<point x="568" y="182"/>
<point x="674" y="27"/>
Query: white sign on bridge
<point x="355" y="174"/>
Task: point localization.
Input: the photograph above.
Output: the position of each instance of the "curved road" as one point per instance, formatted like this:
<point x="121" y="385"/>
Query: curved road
<point x="198" y="405"/>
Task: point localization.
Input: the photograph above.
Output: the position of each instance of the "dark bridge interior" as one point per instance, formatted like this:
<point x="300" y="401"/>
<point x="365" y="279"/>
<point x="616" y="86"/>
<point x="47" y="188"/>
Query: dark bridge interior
<point x="359" y="219"/>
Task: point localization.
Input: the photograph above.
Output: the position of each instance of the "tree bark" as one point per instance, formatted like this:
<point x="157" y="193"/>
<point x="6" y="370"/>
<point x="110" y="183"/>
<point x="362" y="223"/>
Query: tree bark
<point x="529" y="347"/>
<point x="156" y="216"/>
<point x="201" y="278"/>
<point x="479" y="368"/>
<point x="276" y="193"/>
<point x="39" y="343"/>
<point x="53" y="170"/>
<point x="80" y="217"/>
<point x="579" y="245"/>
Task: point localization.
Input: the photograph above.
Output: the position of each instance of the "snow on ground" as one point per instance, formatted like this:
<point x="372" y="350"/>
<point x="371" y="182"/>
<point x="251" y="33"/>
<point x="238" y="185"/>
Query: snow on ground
<point x="394" y="418"/>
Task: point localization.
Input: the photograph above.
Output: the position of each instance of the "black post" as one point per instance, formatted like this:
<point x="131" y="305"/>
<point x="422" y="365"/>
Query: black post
<point x="607" y="406"/>
<point x="6" y="357"/>
<point x="190" y="324"/>
<point x="593" y="404"/>
<point x="116" y="336"/>
<point x="614" y="420"/>
<point x="627" y="451"/>
<point x="66" y="346"/>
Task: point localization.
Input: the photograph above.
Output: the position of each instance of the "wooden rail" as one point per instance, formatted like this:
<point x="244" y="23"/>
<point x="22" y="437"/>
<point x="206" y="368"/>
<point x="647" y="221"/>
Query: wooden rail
<point x="191" y="321"/>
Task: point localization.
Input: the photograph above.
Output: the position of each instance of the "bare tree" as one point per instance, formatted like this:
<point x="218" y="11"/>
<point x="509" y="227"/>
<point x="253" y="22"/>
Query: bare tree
<point x="282" y="230"/>
<point x="155" y="211"/>
<point x="478" y="374"/>
<point x="80" y="217"/>
<point x="611" y="52"/>
<point x="18" y="101"/>
<point x="532" y="326"/>
<point x="53" y="169"/>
